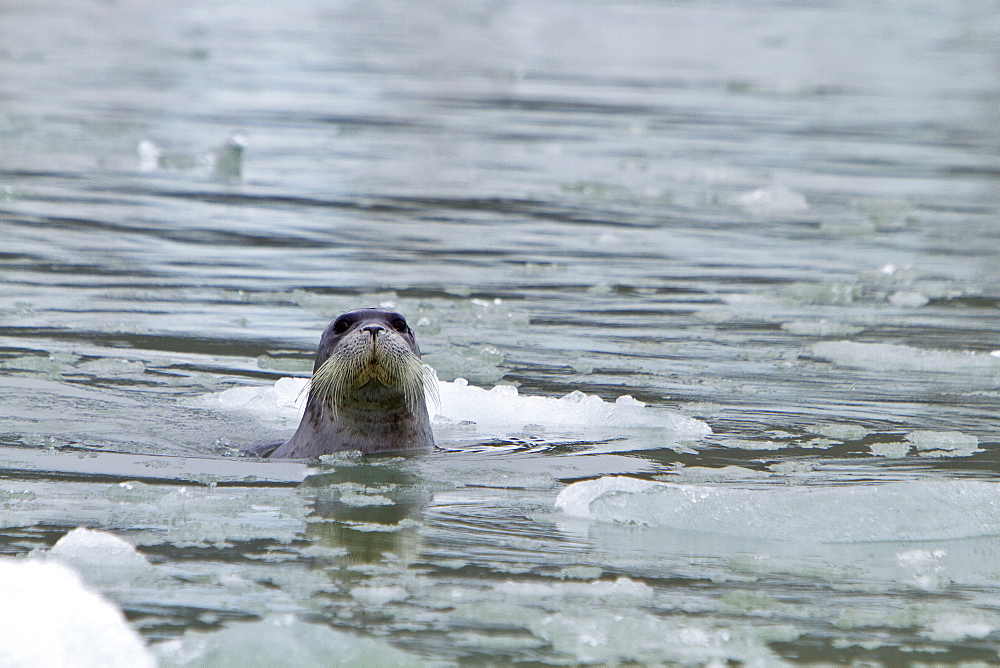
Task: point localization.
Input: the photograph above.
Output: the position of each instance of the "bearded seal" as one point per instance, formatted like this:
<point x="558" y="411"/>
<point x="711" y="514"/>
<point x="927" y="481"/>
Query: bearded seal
<point x="367" y="390"/>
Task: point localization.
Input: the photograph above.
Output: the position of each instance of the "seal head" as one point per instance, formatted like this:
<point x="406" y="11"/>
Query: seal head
<point x="367" y="389"/>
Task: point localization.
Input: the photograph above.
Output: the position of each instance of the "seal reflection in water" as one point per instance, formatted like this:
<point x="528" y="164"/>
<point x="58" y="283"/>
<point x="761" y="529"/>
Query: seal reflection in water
<point x="367" y="389"/>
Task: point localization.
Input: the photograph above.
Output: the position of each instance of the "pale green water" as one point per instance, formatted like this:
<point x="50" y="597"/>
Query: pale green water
<point x="780" y="219"/>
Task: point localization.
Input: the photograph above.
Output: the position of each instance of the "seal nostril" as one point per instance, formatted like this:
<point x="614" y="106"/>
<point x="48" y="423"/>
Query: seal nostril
<point x="374" y="329"/>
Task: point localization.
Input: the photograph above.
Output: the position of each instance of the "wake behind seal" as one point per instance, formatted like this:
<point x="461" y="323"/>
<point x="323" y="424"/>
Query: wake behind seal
<point x="367" y="390"/>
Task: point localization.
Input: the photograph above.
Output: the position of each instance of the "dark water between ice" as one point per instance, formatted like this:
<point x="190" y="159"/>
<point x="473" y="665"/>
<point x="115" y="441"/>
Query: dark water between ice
<point x="781" y="219"/>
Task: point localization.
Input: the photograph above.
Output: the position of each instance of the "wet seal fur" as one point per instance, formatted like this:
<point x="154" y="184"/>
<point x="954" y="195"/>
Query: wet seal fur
<point x="367" y="390"/>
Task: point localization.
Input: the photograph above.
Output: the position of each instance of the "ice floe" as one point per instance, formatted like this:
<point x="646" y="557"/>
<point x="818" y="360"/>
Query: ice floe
<point x="279" y="641"/>
<point x="598" y="636"/>
<point x="944" y="443"/>
<point x="893" y="357"/>
<point x="898" y="511"/>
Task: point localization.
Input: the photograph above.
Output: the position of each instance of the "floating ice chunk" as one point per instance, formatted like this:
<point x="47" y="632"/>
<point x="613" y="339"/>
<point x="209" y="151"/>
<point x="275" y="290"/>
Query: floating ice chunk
<point x="500" y="408"/>
<point x="749" y="444"/>
<point x="359" y="499"/>
<point x="908" y="299"/>
<point x="944" y="443"/>
<point x="378" y="596"/>
<point x="840" y="431"/>
<point x="822" y="327"/>
<point x="285" y="400"/>
<point x="696" y="474"/>
<point x="227" y="160"/>
<point x="890" y="450"/>
<point x="100" y="557"/>
<point x="956" y="626"/>
<point x="890" y="357"/>
<point x="924" y="568"/>
<point x="111" y="366"/>
<point x="280" y="641"/>
<point x="149" y="156"/>
<point x="230" y="516"/>
<point x="577" y="498"/>
<point x="610" y="638"/>
<point x="930" y="444"/>
<point x="772" y="200"/>
<point x="916" y="510"/>
<point x="50" y="619"/>
<point x="620" y="588"/>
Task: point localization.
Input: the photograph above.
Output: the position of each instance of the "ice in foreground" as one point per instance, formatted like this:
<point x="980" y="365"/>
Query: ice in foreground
<point x="49" y="618"/>
<point x="898" y="511"/>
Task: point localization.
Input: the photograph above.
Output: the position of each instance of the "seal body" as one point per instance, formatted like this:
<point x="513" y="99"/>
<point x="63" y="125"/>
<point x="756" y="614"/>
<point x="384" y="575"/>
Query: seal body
<point x="367" y="390"/>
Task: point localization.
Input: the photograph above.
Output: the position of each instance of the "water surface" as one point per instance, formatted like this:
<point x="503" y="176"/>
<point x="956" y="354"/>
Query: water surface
<point x="778" y="219"/>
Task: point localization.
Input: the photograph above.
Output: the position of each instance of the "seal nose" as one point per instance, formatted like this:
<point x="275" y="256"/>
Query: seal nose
<point x="373" y="329"/>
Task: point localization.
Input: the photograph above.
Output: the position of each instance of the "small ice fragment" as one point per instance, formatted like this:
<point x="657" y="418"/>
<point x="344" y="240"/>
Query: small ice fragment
<point x="840" y="431"/>
<point x="379" y="596"/>
<point x="944" y="443"/>
<point x="942" y="440"/>
<point x="909" y="299"/>
<point x="955" y="626"/>
<point x="822" y="327"/>
<point x="108" y="366"/>
<point x="356" y="499"/>
<point x="621" y="587"/>
<point x="149" y="156"/>
<point x="611" y="637"/>
<point x="750" y="444"/>
<point x="773" y="200"/>
<point x="227" y="160"/>
<point x="699" y="474"/>
<point x="890" y="450"/>
<point x="99" y="556"/>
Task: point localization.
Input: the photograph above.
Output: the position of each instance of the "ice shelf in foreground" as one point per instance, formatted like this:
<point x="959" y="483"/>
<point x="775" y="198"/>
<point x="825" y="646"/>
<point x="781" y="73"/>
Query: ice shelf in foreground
<point x="898" y="511"/>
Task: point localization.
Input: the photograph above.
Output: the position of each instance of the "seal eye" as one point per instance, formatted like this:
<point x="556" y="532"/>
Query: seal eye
<point x="399" y="325"/>
<point x="341" y="326"/>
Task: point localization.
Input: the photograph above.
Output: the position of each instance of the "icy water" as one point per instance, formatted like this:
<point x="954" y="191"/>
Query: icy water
<point x="775" y="226"/>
